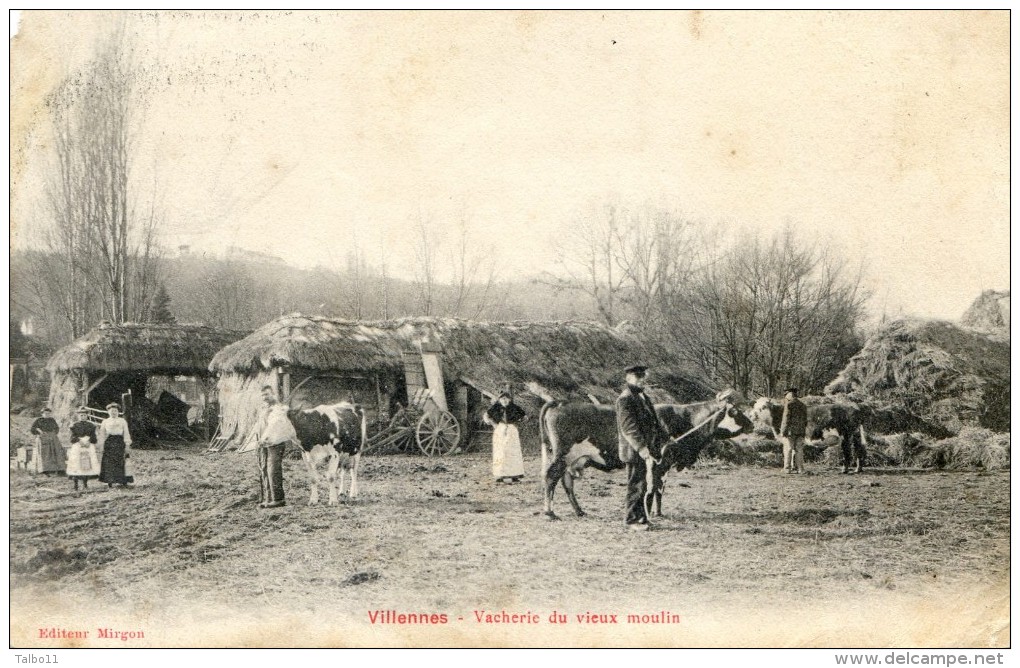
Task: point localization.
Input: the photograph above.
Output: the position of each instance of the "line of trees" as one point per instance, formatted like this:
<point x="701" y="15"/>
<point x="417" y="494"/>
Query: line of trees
<point x="755" y="312"/>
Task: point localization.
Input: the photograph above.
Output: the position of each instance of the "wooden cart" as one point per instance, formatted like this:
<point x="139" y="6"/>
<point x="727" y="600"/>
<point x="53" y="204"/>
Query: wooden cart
<point x="426" y="421"/>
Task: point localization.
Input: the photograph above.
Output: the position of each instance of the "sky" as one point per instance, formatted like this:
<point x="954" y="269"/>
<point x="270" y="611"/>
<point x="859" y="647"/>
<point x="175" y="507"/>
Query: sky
<point x="885" y="134"/>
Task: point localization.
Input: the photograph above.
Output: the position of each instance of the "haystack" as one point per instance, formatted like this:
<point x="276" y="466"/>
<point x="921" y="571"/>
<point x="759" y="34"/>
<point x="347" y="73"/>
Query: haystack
<point x="936" y="370"/>
<point x="334" y="360"/>
<point x="989" y="313"/>
<point x="112" y="360"/>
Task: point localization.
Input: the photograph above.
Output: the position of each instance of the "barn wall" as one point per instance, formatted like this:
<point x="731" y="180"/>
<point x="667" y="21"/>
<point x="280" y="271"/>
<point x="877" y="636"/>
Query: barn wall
<point x="65" y="396"/>
<point x="317" y="390"/>
<point x="240" y="400"/>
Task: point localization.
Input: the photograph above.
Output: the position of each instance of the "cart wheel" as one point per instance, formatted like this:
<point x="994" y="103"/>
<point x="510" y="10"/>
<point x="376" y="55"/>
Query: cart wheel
<point x="402" y="428"/>
<point x="438" y="433"/>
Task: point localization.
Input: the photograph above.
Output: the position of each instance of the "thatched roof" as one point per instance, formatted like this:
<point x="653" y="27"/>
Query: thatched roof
<point x="565" y="356"/>
<point x="170" y="349"/>
<point x="937" y="370"/>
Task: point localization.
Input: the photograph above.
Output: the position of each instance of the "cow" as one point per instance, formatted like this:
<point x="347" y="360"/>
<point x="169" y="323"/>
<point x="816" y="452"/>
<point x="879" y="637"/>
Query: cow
<point x="578" y="435"/>
<point x="846" y="419"/>
<point x="691" y="427"/>
<point x="334" y="434"/>
<point x="575" y="436"/>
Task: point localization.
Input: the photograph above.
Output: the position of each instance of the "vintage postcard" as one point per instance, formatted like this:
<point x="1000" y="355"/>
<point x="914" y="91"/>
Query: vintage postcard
<point x="510" y="329"/>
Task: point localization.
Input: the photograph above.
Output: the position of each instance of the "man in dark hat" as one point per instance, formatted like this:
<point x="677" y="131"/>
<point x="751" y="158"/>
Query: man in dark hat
<point x="640" y="441"/>
<point x="792" y="430"/>
<point x="274" y="432"/>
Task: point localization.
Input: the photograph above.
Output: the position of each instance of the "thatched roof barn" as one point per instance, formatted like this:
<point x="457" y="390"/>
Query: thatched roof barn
<point x="366" y="363"/>
<point x="112" y="360"/>
<point x="939" y="371"/>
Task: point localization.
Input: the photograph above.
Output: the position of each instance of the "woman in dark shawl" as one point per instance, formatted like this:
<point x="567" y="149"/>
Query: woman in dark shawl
<point x="507" y="460"/>
<point x="49" y="453"/>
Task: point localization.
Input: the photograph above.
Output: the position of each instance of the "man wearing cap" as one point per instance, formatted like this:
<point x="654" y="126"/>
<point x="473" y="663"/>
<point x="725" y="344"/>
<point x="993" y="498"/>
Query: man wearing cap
<point x="640" y="440"/>
<point x="274" y="432"/>
<point x="792" y="430"/>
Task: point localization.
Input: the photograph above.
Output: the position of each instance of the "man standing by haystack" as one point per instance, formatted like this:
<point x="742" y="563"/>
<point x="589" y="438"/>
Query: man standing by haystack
<point x="640" y="440"/>
<point x="792" y="431"/>
<point x="274" y="432"/>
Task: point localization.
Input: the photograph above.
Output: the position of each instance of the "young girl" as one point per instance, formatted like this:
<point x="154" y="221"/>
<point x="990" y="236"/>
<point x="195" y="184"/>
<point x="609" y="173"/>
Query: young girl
<point x="82" y="462"/>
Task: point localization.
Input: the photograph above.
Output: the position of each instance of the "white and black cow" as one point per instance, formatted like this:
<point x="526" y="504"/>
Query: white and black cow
<point x="334" y="435"/>
<point x="577" y="435"/>
<point x="691" y="427"/>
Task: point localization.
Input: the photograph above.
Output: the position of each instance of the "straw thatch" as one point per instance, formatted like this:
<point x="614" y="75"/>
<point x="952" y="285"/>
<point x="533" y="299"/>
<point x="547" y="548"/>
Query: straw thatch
<point x="565" y="360"/>
<point x="166" y="349"/>
<point x="989" y="312"/>
<point x="126" y="356"/>
<point x="936" y="370"/>
<point x="563" y="357"/>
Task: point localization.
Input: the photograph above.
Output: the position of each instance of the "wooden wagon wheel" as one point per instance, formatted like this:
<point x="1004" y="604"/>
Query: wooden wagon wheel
<point x="438" y="433"/>
<point x="403" y="429"/>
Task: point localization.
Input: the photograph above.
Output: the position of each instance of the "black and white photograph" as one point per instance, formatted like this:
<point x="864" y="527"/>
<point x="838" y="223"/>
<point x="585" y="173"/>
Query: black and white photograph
<point x="511" y="329"/>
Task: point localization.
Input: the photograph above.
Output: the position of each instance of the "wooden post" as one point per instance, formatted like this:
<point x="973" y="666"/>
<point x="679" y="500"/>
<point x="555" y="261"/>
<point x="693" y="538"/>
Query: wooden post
<point x="205" y="411"/>
<point x="283" y="384"/>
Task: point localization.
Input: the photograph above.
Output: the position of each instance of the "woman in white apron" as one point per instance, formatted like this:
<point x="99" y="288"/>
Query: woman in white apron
<point x="507" y="460"/>
<point x="82" y="462"/>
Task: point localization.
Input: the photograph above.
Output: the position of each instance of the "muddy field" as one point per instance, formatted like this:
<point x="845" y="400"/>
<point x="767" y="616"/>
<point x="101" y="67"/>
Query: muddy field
<point x="744" y="557"/>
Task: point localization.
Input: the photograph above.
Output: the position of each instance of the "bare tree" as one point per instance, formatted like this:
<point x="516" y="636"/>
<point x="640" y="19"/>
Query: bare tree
<point x="474" y="276"/>
<point x="775" y="312"/>
<point x="356" y="286"/>
<point x="93" y="212"/>
<point x="384" y="279"/>
<point x="229" y="296"/>
<point x="146" y="270"/>
<point x="424" y="269"/>
<point x="658" y="252"/>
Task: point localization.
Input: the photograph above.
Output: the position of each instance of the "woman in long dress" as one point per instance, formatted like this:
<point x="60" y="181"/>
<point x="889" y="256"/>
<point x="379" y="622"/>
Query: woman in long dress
<point x="82" y="462"/>
<point x="115" y="440"/>
<point x="507" y="460"/>
<point x="49" y="453"/>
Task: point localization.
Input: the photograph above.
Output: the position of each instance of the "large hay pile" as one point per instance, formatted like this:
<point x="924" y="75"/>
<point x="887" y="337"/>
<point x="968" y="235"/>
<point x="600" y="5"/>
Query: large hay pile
<point x="936" y="370"/>
<point x="989" y="313"/>
<point x="973" y="447"/>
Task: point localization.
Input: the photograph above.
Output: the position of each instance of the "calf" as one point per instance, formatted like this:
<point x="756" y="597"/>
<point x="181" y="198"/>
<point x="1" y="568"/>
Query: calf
<point x="336" y="435"/>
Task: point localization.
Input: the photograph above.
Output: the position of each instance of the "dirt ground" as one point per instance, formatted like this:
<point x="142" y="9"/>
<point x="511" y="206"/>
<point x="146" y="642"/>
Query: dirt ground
<point x="744" y="557"/>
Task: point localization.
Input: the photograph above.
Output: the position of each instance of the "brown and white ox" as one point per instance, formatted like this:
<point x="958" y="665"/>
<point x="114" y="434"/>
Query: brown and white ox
<point x="844" y="418"/>
<point x="331" y="438"/>
<point x="578" y="435"/>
